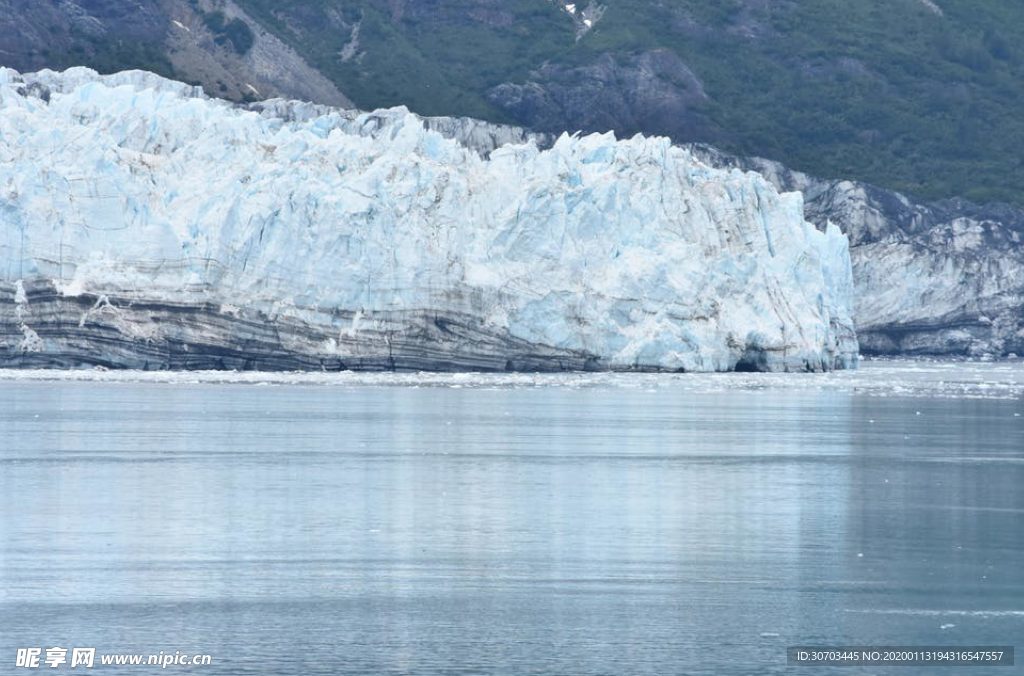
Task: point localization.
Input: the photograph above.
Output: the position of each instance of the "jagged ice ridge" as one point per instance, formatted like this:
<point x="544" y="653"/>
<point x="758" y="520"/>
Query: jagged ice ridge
<point x="145" y="225"/>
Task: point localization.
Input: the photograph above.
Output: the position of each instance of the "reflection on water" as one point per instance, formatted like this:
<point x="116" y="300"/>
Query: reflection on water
<point x="304" y="529"/>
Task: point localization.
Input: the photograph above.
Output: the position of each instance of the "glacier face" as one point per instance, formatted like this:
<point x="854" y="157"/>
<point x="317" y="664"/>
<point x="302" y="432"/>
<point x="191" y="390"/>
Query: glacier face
<point x="145" y="225"/>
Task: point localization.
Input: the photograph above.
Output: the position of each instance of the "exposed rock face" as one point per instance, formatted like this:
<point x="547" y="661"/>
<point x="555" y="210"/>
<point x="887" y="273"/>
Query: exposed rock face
<point x="945" y="278"/>
<point x="144" y="225"/>
<point x="652" y="92"/>
<point x="165" y="35"/>
<point x="268" y="69"/>
<point x="30" y="29"/>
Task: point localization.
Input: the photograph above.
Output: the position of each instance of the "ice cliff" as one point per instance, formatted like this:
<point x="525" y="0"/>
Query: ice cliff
<point x="942" y="278"/>
<point x="145" y="225"/>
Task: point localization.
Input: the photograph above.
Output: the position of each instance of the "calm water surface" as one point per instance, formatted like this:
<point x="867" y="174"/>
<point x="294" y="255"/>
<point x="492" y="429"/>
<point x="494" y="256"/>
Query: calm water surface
<point x="453" y="526"/>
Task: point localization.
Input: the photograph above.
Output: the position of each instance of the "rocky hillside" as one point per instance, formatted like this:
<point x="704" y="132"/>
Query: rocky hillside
<point x="213" y="44"/>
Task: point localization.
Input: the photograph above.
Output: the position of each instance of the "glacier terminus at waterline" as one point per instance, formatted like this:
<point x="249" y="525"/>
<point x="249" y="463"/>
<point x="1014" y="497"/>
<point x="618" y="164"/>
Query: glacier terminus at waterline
<point x="145" y="225"/>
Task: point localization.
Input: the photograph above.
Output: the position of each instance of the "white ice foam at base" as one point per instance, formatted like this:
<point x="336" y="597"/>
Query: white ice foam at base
<point x="875" y="378"/>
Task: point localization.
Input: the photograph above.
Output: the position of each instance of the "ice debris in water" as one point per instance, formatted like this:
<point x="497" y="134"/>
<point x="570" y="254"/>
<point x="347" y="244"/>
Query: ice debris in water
<point x="875" y="379"/>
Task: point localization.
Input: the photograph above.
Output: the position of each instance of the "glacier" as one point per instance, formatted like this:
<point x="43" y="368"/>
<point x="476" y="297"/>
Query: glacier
<point x="145" y="225"/>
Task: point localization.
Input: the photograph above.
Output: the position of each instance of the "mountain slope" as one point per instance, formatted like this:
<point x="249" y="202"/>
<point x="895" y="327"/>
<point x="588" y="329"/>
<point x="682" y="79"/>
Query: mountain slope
<point x="921" y="96"/>
<point x="216" y="45"/>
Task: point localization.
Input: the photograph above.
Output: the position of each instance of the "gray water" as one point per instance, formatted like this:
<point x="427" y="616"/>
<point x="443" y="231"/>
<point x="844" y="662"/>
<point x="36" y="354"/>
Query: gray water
<point x="661" y="525"/>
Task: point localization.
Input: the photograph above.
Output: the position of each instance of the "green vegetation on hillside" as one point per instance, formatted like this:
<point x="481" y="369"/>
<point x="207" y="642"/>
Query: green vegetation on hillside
<point x="438" y="63"/>
<point x="107" y="56"/>
<point x="229" y="31"/>
<point x="888" y="92"/>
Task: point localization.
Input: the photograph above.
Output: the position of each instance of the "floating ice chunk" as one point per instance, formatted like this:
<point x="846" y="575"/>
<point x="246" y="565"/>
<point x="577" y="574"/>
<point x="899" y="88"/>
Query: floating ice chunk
<point x="30" y="342"/>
